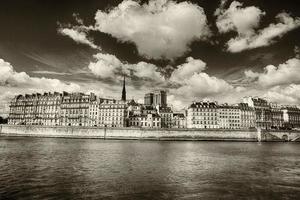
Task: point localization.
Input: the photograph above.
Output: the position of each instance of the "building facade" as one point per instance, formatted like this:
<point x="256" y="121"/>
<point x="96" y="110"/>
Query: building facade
<point x="166" y="115"/>
<point x="229" y="117"/>
<point x="247" y="117"/>
<point x="78" y="109"/>
<point x="93" y="114"/>
<point x="75" y="109"/>
<point x="277" y="116"/>
<point x="160" y="98"/>
<point x="112" y="113"/>
<point x="262" y="109"/>
<point x="291" y="117"/>
<point x="145" y="121"/>
<point x="36" y="109"/>
<point x="148" y="99"/>
<point x="179" y="120"/>
<point x="203" y="115"/>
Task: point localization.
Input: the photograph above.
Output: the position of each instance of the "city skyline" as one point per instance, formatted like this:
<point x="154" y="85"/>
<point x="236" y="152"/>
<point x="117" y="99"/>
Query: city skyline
<point x="88" y="110"/>
<point x="209" y="51"/>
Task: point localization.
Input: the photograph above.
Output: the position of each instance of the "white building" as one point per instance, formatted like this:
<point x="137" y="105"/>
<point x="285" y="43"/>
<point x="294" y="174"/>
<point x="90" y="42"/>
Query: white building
<point x="75" y="109"/>
<point x="179" y="120"/>
<point x="145" y="121"/>
<point x="94" y="113"/>
<point x="203" y="115"/>
<point x="229" y="117"/>
<point x="112" y="113"/>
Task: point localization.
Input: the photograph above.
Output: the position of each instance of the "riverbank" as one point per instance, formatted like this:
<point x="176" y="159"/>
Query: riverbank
<point x="149" y="134"/>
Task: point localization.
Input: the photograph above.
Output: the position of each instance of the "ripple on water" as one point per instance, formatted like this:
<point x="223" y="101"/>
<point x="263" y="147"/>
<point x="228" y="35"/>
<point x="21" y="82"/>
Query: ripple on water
<point x="43" y="168"/>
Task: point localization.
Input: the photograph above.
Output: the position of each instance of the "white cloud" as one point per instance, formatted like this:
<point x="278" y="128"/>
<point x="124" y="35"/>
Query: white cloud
<point x="145" y="70"/>
<point x="202" y="85"/>
<point x="13" y="83"/>
<point x="159" y="29"/>
<point x="106" y="65"/>
<point x="193" y="82"/>
<point x="51" y="72"/>
<point x="286" y="73"/>
<point x="109" y="66"/>
<point x="236" y="18"/>
<point x="245" y="21"/>
<point x="187" y="69"/>
<point x="176" y="103"/>
<point x="266" y="36"/>
<point x="79" y="36"/>
<point x="188" y="80"/>
<point x="10" y="78"/>
<point x="285" y="94"/>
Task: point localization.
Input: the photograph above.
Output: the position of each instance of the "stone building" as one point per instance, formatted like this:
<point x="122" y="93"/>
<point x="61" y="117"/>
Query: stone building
<point x="247" y="117"/>
<point x="277" y="116"/>
<point x="148" y="99"/>
<point x="17" y="110"/>
<point x="229" y="117"/>
<point x="48" y="109"/>
<point x="179" y="120"/>
<point x="36" y="109"/>
<point x="291" y="117"/>
<point x="156" y="98"/>
<point x="134" y="108"/>
<point x="112" y="113"/>
<point x="145" y="121"/>
<point x="74" y="109"/>
<point x="262" y="109"/>
<point x="160" y="98"/>
<point x="203" y="115"/>
<point x="166" y="115"/>
<point x="93" y="114"/>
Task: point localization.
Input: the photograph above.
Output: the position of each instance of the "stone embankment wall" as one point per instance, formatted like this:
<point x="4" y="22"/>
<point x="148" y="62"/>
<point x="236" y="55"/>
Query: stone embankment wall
<point x="149" y="134"/>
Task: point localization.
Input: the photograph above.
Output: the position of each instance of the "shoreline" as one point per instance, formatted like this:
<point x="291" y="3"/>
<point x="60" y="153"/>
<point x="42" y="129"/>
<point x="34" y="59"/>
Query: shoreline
<point x="130" y="133"/>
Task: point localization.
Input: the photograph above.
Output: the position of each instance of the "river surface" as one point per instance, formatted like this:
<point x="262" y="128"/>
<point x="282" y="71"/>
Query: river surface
<point x="49" y="168"/>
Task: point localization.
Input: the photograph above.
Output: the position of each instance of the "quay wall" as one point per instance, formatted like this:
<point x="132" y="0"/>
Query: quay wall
<point x="147" y="134"/>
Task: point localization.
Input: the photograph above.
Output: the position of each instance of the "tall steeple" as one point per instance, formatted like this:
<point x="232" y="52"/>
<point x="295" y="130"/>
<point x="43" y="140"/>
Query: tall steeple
<point x="124" y="91"/>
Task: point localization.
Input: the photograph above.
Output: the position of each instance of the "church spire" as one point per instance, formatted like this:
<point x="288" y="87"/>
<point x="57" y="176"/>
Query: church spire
<point x="124" y="91"/>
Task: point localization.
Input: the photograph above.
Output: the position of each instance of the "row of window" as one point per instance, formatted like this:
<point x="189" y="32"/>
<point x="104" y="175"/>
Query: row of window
<point x="205" y="122"/>
<point x="204" y="114"/>
<point x="143" y="124"/>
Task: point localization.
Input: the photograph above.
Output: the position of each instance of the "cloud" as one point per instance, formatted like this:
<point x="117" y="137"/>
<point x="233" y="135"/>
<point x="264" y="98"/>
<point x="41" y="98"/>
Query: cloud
<point x="10" y="78"/>
<point x="202" y="85"/>
<point x="159" y="29"/>
<point x="105" y="66"/>
<point x="285" y="94"/>
<point x="187" y="82"/>
<point x="221" y="8"/>
<point x="187" y="69"/>
<point x="109" y="66"/>
<point x="236" y="18"/>
<point x="51" y="72"/>
<point x="191" y="81"/>
<point x="13" y="83"/>
<point x="145" y="70"/>
<point x="286" y="73"/>
<point x="245" y="21"/>
<point x="266" y="36"/>
<point x="79" y="36"/>
<point x="176" y="103"/>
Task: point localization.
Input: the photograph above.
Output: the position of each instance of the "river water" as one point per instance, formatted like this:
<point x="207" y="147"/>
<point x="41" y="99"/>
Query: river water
<point x="49" y="168"/>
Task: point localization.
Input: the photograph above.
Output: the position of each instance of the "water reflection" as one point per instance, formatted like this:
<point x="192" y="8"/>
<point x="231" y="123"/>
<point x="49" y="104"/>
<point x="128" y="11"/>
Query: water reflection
<point x="38" y="168"/>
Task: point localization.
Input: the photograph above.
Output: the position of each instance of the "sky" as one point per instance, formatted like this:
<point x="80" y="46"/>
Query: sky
<point x="219" y="50"/>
